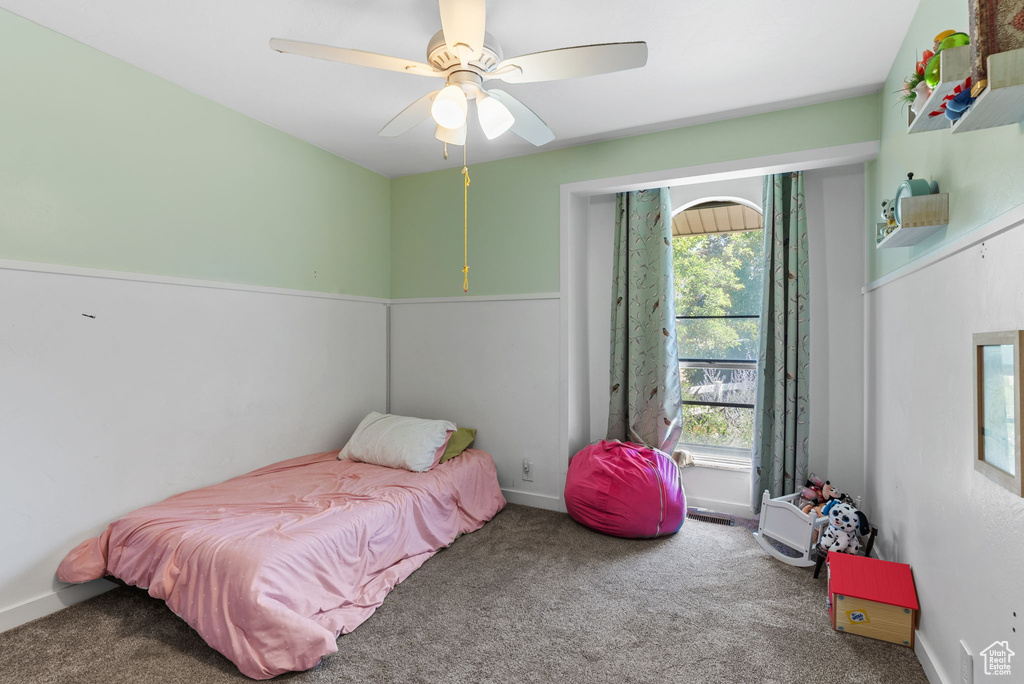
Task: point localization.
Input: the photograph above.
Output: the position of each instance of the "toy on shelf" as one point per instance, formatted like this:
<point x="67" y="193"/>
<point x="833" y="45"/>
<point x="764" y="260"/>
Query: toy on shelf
<point x="959" y="101"/>
<point x="919" y="101"/>
<point x="892" y="211"/>
<point x="928" y="70"/>
<point x="888" y="224"/>
<point x="915" y="91"/>
<point x="943" y="41"/>
<point x="929" y="88"/>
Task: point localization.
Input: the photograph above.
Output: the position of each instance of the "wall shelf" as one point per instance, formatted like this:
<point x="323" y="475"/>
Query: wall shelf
<point x="1002" y="102"/>
<point x="954" y="68"/>
<point x="923" y="216"/>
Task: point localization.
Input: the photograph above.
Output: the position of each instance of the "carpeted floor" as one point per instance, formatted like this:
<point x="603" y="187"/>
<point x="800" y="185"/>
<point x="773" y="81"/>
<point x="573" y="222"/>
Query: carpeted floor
<point x="532" y="597"/>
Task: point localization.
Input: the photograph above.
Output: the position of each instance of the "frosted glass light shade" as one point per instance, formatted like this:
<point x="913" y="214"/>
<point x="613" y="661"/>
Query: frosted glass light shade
<point x="450" y="107"/>
<point x="494" y="117"/>
<point x="452" y="136"/>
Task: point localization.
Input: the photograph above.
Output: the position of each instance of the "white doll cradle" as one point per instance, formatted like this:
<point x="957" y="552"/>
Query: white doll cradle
<point x="782" y="521"/>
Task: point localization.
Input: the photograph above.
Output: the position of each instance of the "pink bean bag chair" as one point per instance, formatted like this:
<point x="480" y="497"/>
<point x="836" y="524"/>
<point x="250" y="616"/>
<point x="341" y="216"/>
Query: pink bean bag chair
<point x="626" y="490"/>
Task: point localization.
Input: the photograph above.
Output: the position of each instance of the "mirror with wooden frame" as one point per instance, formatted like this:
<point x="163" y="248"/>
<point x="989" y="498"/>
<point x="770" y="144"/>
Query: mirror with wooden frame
<point x="998" y="394"/>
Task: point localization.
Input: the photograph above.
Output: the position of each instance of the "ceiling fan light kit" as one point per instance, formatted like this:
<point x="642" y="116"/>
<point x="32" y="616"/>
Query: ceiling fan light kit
<point x="451" y="136"/>
<point x="450" y="107"/>
<point x="494" y="117"/>
<point x="466" y="56"/>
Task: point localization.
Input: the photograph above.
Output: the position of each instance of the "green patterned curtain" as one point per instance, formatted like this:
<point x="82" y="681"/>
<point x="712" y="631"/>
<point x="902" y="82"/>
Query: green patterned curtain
<point x="646" y="402"/>
<point x="781" y="424"/>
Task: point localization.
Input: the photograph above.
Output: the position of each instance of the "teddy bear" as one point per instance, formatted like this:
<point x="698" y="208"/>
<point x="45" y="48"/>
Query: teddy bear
<point x="889" y="212"/>
<point x="844" y="524"/>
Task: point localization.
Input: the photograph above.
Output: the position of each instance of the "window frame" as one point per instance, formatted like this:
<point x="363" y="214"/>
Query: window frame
<point x="712" y="456"/>
<point x="1014" y="482"/>
<point x="726" y="457"/>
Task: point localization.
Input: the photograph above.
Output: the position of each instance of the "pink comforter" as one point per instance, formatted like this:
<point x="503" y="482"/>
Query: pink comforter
<point x="272" y="566"/>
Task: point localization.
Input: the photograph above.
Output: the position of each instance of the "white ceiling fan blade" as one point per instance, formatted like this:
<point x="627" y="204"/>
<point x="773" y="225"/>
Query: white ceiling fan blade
<point x="462" y="22"/>
<point x="528" y="125"/>
<point x="357" y="57"/>
<point x="573" y="62"/>
<point x="410" y="116"/>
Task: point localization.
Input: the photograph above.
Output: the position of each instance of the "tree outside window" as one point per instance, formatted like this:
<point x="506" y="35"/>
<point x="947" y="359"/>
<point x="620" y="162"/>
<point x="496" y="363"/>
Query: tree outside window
<point x="718" y="284"/>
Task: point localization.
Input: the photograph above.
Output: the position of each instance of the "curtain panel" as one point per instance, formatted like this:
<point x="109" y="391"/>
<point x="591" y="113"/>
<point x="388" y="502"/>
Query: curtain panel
<point x="646" y="401"/>
<point x="781" y="425"/>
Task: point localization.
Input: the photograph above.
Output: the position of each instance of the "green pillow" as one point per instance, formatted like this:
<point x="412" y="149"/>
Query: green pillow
<point x="459" y="442"/>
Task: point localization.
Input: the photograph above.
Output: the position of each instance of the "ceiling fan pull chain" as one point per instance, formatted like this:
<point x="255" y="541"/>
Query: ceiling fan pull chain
<point x="465" y="224"/>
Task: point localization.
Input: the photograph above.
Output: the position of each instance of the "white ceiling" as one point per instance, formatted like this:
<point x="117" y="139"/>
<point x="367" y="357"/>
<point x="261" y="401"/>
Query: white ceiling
<point x="709" y="59"/>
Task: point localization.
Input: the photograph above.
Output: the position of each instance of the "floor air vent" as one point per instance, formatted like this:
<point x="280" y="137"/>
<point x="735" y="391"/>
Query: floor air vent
<point x="709" y="517"/>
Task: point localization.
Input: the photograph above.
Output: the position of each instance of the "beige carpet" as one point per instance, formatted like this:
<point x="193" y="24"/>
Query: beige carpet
<point x="532" y="597"/>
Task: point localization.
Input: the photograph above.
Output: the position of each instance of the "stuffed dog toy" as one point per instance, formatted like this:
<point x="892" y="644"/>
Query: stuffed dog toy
<point x="844" y="524"/>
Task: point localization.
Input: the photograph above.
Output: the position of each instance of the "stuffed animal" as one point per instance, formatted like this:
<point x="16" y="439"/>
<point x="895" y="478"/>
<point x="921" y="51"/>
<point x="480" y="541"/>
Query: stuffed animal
<point x="960" y="102"/>
<point x="921" y="94"/>
<point x="828" y="494"/>
<point x="811" y="493"/>
<point x="844" y="524"/>
<point x="889" y="212"/>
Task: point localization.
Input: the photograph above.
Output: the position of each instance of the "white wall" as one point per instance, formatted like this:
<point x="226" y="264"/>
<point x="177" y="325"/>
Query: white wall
<point x="959" y="531"/>
<point x="600" y="262"/>
<point x="835" y="223"/>
<point x="835" y="213"/>
<point x="748" y="188"/>
<point x="168" y="388"/>
<point x="490" y="365"/>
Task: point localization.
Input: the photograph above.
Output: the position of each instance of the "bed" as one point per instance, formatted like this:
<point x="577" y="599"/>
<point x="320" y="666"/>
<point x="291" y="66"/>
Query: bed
<point x="272" y="566"/>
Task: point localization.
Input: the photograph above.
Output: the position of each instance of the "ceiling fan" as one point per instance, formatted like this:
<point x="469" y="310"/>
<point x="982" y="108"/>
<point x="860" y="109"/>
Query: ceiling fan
<point x="466" y="56"/>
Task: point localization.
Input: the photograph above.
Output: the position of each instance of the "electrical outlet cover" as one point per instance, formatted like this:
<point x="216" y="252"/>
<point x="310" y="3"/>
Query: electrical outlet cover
<point x="966" y="664"/>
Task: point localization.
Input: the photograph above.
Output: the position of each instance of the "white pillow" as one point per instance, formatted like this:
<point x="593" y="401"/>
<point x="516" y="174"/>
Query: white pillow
<point x="397" y="441"/>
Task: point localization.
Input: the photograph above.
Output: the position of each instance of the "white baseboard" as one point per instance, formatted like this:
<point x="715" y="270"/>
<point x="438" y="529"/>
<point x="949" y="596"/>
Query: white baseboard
<point x="932" y="669"/>
<point x="555" y="503"/>
<point x="725" y="507"/>
<point x="545" y="501"/>
<point x="36" y="608"/>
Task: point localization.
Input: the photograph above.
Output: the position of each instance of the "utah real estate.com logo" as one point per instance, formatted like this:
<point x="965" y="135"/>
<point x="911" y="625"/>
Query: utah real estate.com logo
<point x="997" y="658"/>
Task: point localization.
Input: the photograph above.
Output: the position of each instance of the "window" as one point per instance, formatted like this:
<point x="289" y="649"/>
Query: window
<point x="717" y="255"/>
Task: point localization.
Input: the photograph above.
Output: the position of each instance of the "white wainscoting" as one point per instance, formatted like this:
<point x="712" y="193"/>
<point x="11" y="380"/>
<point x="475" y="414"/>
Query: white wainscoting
<point x="118" y="392"/>
<point x="490" y="365"/>
<point x="960" y="531"/>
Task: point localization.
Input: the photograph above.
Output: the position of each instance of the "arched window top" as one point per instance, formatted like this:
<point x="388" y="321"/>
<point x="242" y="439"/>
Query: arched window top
<point x="716" y="215"/>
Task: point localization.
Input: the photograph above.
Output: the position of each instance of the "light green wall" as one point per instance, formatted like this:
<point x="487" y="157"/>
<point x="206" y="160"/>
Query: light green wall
<point x="106" y="166"/>
<point x="514" y="203"/>
<point x="983" y="171"/>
